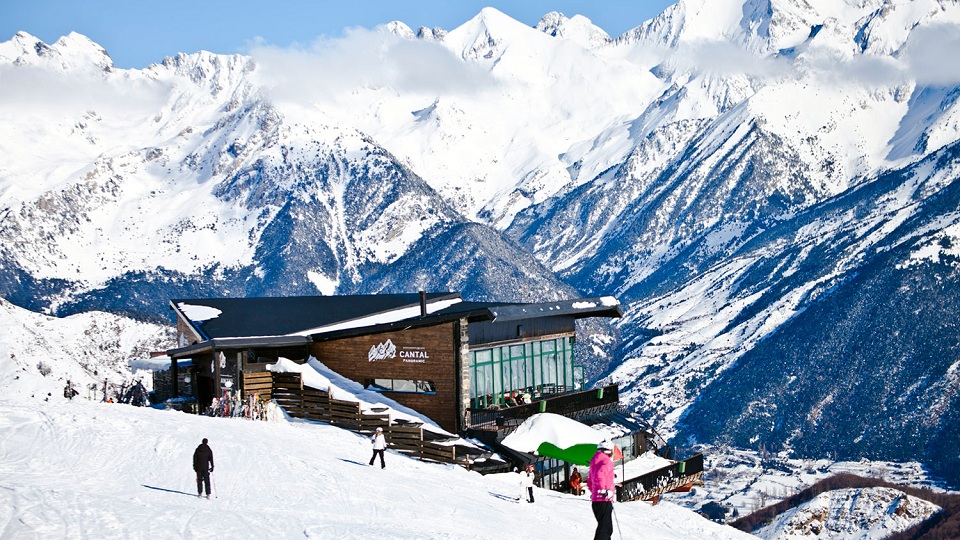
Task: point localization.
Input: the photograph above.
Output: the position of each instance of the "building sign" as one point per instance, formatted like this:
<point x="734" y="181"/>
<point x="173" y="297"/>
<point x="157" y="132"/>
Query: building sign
<point x="414" y="355"/>
<point x="387" y="349"/>
<point x="382" y="351"/>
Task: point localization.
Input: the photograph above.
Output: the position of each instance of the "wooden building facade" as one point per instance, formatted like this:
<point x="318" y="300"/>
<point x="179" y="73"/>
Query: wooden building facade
<point x="418" y="367"/>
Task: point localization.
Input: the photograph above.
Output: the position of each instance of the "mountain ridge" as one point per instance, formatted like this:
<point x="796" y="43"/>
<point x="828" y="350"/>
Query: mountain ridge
<point x="726" y="170"/>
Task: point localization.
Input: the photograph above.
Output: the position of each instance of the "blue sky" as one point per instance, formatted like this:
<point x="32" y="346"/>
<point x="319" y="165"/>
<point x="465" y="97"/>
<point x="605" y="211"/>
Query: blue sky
<point x="137" y="33"/>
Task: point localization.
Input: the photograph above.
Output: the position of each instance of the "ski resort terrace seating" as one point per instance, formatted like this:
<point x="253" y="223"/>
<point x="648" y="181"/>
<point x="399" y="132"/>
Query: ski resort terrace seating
<point x="576" y="405"/>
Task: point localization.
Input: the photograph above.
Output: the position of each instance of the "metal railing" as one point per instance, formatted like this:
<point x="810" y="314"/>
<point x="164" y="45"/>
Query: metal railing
<point x="574" y="404"/>
<point x="663" y="480"/>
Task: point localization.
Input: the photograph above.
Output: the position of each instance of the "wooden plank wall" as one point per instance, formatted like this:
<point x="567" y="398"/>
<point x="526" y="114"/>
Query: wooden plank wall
<point x="312" y="404"/>
<point x="350" y="358"/>
<point x="258" y="383"/>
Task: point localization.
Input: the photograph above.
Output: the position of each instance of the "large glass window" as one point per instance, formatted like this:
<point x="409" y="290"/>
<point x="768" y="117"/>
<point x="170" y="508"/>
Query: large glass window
<point x="538" y="367"/>
<point x="402" y="385"/>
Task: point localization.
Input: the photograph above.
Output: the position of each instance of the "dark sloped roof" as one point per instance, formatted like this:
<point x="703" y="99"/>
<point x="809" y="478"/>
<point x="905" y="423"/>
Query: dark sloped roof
<point x="277" y="316"/>
<point x="485" y="311"/>
<point x="578" y="309"/>
<point x="288" y="320"/>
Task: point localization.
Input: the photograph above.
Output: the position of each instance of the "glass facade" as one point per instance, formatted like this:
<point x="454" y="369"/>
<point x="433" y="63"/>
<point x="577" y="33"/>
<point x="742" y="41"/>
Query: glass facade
<point x="535" y="368"/>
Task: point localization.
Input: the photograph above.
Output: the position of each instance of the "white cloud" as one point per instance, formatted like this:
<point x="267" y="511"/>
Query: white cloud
<point x="365" y="59"/>
<point x="723" y="58"/>
<point x="866" y="70"/>
<point x="930" y="55"/>
<point x="40" y="88"/>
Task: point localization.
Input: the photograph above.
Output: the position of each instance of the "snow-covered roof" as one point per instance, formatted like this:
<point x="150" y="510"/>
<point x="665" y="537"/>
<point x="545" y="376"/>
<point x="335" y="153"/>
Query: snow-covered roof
<point x="291" y="321"/>
<point x="297" y="315"/>
<point x="157" y="363"/>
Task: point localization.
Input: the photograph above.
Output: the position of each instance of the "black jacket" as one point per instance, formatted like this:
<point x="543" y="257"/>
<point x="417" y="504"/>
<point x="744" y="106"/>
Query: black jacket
<point x="202" y="458"/>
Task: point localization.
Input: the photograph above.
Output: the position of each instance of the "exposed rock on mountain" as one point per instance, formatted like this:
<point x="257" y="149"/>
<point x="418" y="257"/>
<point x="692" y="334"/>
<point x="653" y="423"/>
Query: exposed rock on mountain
<point x="851" y="513"/>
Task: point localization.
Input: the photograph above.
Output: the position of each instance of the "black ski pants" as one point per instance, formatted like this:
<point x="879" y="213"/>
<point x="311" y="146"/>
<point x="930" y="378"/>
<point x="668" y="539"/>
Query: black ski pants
<point x="203" y="480"/>
<point x="603" y="511"/>
<point x="374" y="456"/>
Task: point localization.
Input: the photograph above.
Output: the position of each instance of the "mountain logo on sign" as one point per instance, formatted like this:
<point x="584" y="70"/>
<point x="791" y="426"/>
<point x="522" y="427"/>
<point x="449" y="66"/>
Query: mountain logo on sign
<point x="382" y="351"/>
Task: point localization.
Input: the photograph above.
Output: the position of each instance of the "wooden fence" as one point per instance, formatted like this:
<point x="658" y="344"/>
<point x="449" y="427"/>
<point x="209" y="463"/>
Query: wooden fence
<point x="260" y="383"/>
<point x="311" y="404"/>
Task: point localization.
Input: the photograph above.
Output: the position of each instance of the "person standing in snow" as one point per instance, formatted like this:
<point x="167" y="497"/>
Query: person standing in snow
<point x="600" y="483"/>
<point x="526" y="483"/>
<point x="203" y="466"/>
<point x="379" y="445"/>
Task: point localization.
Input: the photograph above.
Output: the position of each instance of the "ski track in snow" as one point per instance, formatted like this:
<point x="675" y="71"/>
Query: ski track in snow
<point x="85" y="469"/>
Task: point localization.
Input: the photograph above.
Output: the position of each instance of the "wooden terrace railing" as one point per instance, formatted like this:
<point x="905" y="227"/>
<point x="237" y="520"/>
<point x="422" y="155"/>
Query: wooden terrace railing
<point x="312" y="404"/>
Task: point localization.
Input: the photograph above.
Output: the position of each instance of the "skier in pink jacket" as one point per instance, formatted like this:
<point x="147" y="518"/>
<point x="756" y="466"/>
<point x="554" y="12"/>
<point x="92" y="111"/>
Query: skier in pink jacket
<point x="602" y="490"/>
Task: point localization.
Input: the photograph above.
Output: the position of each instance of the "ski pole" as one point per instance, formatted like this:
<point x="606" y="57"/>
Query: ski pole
<point x="619" y="532"/>
<point x="213" y="486"/>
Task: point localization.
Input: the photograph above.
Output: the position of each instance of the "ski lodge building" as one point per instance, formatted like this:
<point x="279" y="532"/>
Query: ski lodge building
<point x="477" y="369"/>
<point x="451" y="360"/>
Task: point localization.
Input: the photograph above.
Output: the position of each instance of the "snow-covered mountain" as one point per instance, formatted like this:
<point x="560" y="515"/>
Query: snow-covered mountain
<point x="770" y="187"/>
<point x="850" y="513"/>
<point x="41" y="353"/>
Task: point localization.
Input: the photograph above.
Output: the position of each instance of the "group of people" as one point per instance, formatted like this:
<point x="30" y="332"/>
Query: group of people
<point x="134" y="395"/>
<point x="600" y="480"/>
<point x="515" y="399"/>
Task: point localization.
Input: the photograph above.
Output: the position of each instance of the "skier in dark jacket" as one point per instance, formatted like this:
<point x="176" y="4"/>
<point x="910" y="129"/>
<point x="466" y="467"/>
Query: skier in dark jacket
<point x="69" y="391"/>
<point x="203" y="465"/>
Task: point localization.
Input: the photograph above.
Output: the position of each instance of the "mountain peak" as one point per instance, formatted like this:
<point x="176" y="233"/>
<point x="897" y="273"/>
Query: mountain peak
<point x="399" y="29"/>
<point x="71" y="52"/>
<point x="431" y="34"/>
<point x="761" y="26"/>
<point x="578" y="29"/>
<point x="490" y="13"/>
<point x="494" y="20"/>
<point x="486" y="34"/>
